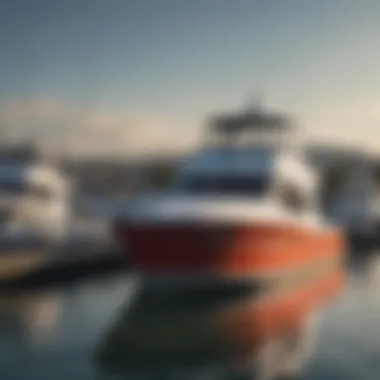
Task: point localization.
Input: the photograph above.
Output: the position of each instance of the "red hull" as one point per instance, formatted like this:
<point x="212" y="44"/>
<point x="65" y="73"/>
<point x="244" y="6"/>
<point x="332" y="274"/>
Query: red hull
<point x="227" y="250"/>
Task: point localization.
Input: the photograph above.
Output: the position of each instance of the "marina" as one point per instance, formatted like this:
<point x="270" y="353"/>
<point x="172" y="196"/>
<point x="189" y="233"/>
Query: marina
<point x="232" y="270"/>
<point x="189" y="190"/>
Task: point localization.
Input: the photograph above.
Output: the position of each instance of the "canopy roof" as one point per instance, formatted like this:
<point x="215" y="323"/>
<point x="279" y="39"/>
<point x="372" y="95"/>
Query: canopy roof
<point x="254" y="119"/>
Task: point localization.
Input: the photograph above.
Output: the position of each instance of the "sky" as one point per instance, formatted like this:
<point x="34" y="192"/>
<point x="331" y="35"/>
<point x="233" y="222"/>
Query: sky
<point x="125" y="77"/>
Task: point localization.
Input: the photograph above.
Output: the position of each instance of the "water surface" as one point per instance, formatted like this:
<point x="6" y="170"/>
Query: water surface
<point x="52" y="334"/>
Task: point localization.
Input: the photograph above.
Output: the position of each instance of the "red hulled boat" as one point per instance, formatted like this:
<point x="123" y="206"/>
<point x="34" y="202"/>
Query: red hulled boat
<point x="237" y="209"/>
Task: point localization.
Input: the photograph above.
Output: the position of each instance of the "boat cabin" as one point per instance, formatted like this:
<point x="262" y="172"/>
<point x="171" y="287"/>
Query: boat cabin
<point x="248" y="155"/>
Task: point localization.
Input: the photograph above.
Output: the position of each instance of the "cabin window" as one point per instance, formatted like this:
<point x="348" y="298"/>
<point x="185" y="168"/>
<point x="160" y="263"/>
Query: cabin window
<point x="233" y="185"/>
<point x="292" y="198"/>
<point x="12" y="187"/>
<point x="41" y="193"/>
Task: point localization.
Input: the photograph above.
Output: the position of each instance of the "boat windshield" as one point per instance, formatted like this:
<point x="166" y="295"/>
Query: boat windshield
<point x="222" y="185"/>
<point x="21" y="188"/>
<point x="12" y="187"/>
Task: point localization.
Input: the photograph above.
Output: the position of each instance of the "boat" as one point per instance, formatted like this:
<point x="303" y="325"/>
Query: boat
<point x="35" y="210"/>
<point x="34" y="199"/>
<point x="244" y="205"/>
<point x="356" y="207"/>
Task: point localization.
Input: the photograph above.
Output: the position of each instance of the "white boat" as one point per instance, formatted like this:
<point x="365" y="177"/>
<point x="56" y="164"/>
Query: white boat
<point x="34" y="203"/>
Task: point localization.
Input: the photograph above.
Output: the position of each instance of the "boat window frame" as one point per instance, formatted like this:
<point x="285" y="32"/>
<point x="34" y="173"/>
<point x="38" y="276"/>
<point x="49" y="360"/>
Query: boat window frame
<point x="306" y="201"/>
<point x="42" y="192"/>
<point x="264" y="178"/>
<point x="13" y="187"/>
<point x="32" y="190"/>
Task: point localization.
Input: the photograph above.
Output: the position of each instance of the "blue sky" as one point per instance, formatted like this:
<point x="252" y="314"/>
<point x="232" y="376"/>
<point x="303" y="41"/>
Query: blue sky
<point x="177" y="60"/>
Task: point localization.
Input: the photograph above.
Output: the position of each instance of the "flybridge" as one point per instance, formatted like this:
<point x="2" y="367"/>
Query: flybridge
<point x="251" y="127"/>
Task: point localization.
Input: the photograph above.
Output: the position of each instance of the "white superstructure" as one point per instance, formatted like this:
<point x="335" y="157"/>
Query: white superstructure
<point x="232" y="182"/>
<point x="34" y="201"/>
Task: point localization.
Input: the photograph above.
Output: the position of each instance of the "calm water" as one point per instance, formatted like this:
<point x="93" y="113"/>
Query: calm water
<point x="52" y="335"/>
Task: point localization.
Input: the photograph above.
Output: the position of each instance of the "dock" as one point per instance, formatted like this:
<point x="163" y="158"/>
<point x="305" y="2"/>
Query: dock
<point x="34" y="268"/>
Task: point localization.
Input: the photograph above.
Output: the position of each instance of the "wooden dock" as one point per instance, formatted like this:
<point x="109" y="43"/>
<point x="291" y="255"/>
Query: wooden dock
<point x="31" y="269"/>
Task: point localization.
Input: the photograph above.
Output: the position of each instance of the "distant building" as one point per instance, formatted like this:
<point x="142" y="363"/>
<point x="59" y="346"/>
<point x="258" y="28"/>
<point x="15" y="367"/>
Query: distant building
<point x="327" y="156"/>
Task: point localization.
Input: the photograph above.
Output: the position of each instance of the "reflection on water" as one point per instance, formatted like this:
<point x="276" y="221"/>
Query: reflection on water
<point x="52" y="335"/>
<point x="349" y="342"/>
<point x="33" y="317"/>
<point x="217" y="329"/>
<point x="55" y="334"/>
